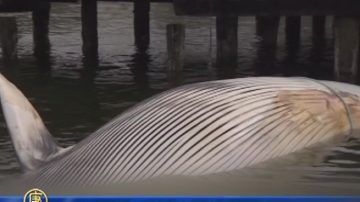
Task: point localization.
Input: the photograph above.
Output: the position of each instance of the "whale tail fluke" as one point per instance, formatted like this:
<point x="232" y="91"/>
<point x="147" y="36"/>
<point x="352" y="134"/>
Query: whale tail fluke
<point x="33" y="143"/>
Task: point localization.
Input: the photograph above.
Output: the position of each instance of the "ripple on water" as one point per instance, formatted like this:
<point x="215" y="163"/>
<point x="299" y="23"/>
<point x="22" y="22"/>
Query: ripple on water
<point x="74" y="100"/>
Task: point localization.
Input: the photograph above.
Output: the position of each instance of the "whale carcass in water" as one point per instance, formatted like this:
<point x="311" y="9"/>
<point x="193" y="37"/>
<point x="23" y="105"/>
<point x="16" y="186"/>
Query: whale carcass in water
<point x="193" y="130"/>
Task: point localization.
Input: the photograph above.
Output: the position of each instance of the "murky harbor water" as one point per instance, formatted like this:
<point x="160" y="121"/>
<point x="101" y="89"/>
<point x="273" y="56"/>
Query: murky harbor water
<point x="74" y="100"/>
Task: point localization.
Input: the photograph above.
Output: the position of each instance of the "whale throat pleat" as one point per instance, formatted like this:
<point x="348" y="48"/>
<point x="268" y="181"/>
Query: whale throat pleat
<point x="204" y="128"/>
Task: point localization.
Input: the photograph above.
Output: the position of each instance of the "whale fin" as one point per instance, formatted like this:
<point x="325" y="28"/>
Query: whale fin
<point x="33" y="143"/>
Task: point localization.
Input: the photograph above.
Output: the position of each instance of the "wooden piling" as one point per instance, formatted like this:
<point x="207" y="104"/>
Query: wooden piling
<point x="142" y="24"/>
<point x="318" y="30"/>
<point x="89" y="28"/>
<point x="175" y="46"/>
<point x="267" y="29"/>
<point x="346" y="30"/>
<point x="267" y="7"/>
<point x="293" y="31"/>
<point x="226" y="41"/>
<point x="41" y="17"/>
<point x="8" y="34"/>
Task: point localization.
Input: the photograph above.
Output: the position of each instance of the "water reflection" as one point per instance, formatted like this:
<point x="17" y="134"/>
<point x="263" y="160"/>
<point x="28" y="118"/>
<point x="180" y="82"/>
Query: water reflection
<point x="76" y="93"/>
<point x="290" y="64"/>
<point x="318" y="54"/>
<point x="319" y="31"/>
<point x="227" y="45"/>
<point x="90" y="65"/>
<point x="267" y="35"/>
<point x="175" y="78"/>
<point x="293" y="39"/>
<point x="340" y="165"/>
<point x="139" y="68"/>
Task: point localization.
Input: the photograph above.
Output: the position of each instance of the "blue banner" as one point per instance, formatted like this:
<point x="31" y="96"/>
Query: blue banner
<point x="186" y="199"/>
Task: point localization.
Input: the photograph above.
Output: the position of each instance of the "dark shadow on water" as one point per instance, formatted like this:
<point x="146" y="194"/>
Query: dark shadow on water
<point x="42" y="53"/>
<point x="319" y="67"/>
<point x="139" y="68"/>
<point x="90" y="63"/>
<point x="265" y="62"/>
<point x="315" y="64"/>
<point x="267" y="33"/>
<point x="348" y="152"/>
<point x="226" y="71"/>
<point x="175" y="78"/>
<point x="292" y="41"/>
<point x="291" y="65"/>
<point x="341" y="164"/>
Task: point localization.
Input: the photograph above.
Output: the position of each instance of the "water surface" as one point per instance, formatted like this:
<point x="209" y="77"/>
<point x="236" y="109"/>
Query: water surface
<point x="75" y="99"/>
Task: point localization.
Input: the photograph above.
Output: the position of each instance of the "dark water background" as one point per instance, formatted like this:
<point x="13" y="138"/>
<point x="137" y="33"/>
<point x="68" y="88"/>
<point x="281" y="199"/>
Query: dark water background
<point x="75" y="99"/>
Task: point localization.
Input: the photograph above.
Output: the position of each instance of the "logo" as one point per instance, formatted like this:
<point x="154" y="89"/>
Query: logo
<point x="35" y="195"/>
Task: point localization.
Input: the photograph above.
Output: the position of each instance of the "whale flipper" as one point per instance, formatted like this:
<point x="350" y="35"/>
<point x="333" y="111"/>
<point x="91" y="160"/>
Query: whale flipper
<point x="33" y="143"/>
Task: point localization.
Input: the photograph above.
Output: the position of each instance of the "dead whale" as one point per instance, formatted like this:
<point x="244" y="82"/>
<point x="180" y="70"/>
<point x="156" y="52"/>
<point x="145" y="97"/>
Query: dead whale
<point x="193" y="130"/>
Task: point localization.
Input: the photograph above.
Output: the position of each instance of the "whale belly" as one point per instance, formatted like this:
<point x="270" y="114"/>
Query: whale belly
<point x="203" y="128"/>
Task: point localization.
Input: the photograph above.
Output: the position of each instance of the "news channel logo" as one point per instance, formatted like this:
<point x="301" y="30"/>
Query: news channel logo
<point x="35" y="195"/>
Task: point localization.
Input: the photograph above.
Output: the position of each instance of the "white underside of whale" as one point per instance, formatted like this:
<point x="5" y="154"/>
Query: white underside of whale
<point x="195" y="130"/>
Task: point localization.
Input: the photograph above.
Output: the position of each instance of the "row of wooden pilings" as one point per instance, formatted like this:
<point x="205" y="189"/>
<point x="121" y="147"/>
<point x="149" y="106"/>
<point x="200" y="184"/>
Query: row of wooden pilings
<point x="227" y="38"/>
<point x="346" y="36"/>
<point x="41" y="16"/>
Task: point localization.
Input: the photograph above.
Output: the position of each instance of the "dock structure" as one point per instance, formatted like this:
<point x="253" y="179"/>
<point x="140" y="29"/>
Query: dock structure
<point x="41" y="12"/>
<point x="346" y="25"/>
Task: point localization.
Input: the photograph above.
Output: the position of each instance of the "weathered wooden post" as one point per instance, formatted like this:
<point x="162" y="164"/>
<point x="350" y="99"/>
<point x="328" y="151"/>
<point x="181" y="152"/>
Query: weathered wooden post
<point x="318" y="30"/>
<point x="267" y="28"/>
<point x="293" y="31"/>
<point x="226" y="41"/>
<point x="8" y="34"/>
<point x="141" y="24"/>
<point x="89" y="28"/>
<point x="175" y="34"/>
<point x="346" y="48"/>
<point x="41" y="17"/>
